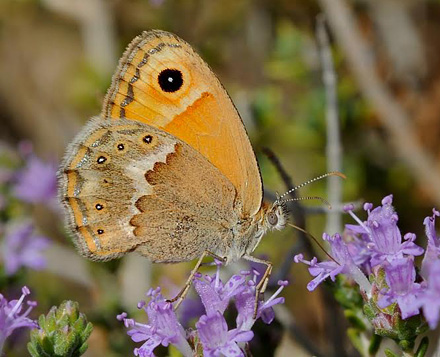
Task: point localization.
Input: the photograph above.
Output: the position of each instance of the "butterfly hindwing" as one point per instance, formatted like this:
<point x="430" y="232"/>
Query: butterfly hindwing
<point x="127" y="186"/>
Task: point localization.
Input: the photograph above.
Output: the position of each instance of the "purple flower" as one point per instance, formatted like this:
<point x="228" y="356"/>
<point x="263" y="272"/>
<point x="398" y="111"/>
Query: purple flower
<point x="330" y="268"/>
<point x="429" y="299"/>
<point x="433" y="248"/>
<point x="190" y="309"/>
<point x="378" y="240"/>
<point x="377" y="247"/>
<point x="10" y="318"/>
<point x="358" y="248"/>
<point x="386" y="237"/>
<point x="214" y="294"/>
<point x="22" y="248"/>
<point x="400" y="275"/>
<point x="245" y="304"/>
<point x="162" y="328"/>
<point x="342" y="263"/>
<point x="37" y="182"/>
<point x="217" y="340"/>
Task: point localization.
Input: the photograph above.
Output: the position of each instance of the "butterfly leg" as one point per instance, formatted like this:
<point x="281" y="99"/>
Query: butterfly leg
<point x="182" y="293"/>
<point x="262" y="285"/>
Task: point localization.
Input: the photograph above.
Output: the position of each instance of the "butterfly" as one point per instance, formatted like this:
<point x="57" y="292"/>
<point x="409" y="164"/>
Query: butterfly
<point x="167" y="170"/>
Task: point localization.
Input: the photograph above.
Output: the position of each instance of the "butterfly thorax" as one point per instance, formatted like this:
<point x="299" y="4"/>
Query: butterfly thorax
<point x="249" y="231"/>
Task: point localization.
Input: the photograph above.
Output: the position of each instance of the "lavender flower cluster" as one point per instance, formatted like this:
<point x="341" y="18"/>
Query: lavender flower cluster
<point x="25" y="180"/>
<point x="211" y="330"/>
<point x="375" y="248"/>
<point x="21" y="185"/>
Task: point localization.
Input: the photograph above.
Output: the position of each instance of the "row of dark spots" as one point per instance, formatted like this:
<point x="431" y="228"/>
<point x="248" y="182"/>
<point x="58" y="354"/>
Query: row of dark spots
<point x="99" y="207"/>
<point x="147" y="139"/>
<point x="101" y="159"/>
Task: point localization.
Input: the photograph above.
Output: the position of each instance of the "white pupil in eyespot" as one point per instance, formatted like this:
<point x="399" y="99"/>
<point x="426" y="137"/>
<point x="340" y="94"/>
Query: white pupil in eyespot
<point x="170" y="79"/>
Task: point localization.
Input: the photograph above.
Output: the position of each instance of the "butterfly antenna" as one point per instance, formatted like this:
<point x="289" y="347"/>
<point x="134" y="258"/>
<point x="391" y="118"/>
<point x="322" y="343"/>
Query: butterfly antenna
<point x="315" y="240"/>
<point x="333" y="173"/>
<point x="310" y="198"/>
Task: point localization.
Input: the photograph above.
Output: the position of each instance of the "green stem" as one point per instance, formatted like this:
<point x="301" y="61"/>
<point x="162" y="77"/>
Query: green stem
<point x="423" y="347"/>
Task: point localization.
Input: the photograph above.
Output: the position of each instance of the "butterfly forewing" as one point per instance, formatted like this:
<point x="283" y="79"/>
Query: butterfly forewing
<point x="161" y="81"/>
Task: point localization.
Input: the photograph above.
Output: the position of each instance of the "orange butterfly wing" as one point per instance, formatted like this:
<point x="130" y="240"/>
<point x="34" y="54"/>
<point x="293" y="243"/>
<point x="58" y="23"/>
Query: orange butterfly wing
<point x="199" y="111"/>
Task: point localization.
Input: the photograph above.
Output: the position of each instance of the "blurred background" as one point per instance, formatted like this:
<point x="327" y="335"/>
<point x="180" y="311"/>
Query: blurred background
<point x="56" y="62"/>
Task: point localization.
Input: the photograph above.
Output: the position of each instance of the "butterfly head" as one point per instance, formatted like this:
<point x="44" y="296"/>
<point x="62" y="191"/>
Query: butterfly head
<point x="275" y="215"/>
<point x="271" y="216"/>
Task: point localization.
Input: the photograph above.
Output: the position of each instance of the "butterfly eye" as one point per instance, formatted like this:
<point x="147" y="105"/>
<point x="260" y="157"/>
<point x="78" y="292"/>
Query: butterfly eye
<point x="272" y="218"/>
<point x="170" y="80"/>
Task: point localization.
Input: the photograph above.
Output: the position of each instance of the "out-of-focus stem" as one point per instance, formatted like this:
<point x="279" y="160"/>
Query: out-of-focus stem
<point x="334" y="146"/>
<point x="393" y="117"/>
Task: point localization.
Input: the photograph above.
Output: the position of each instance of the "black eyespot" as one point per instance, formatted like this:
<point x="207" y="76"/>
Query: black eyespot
<point x="120" y="147"/>
<point x="272" y="218"/>
<point x="170" y="80"/>
<point x="99" y="206"/>
<point x="100" y="231"/>
<point x="147" y="139"/>
<point x="101" y="159"/>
